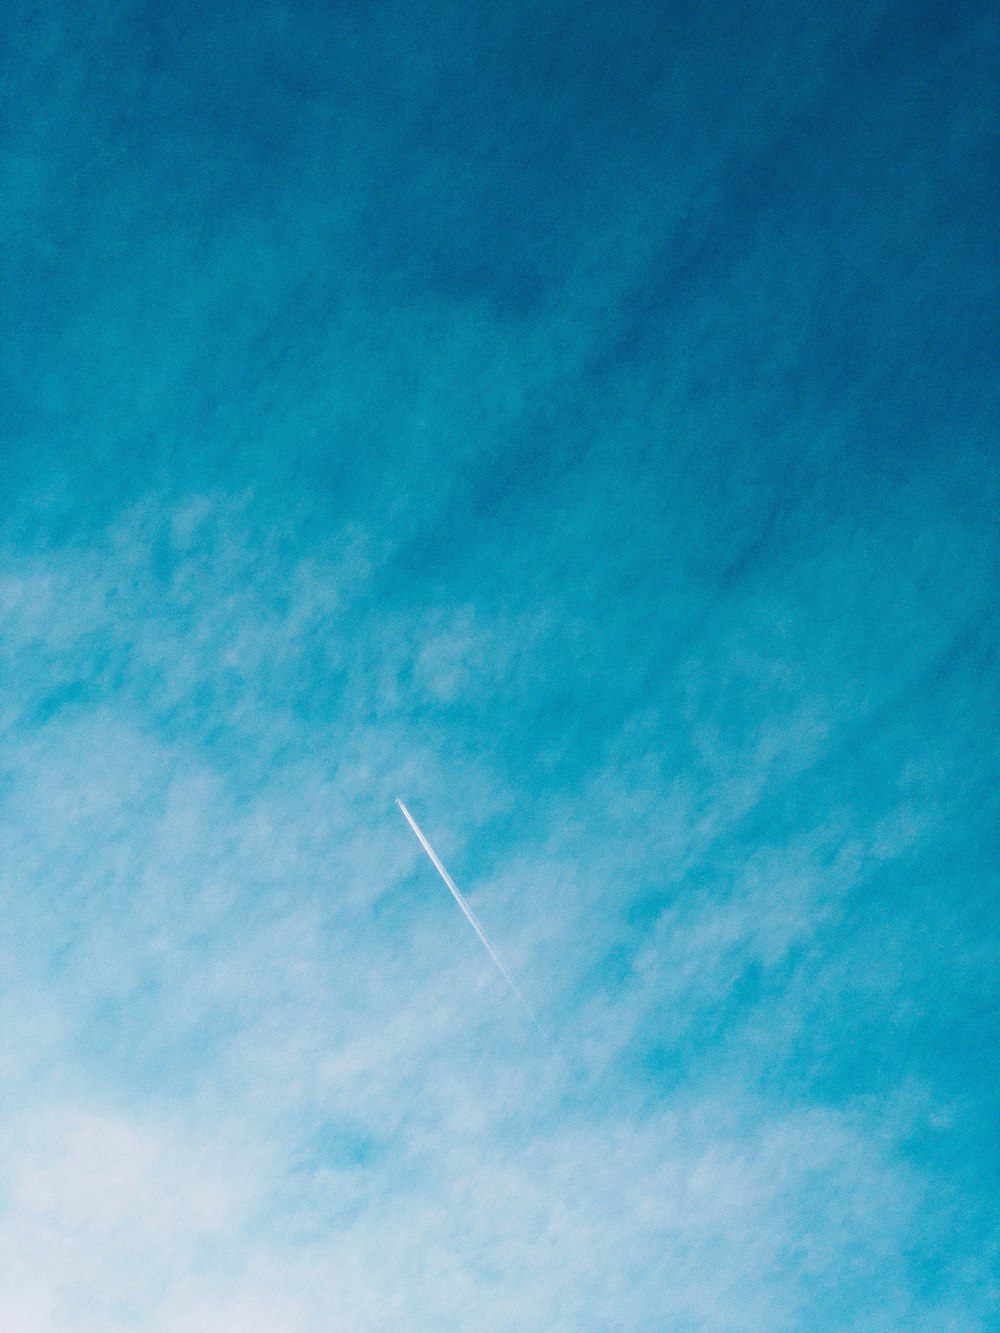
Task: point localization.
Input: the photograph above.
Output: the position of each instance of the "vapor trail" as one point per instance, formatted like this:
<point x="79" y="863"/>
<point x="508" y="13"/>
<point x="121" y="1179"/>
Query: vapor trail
<point x="466" y="909"/>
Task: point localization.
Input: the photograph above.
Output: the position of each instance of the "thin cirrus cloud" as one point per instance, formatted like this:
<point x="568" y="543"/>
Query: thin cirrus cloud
<point x="569" y="421"/>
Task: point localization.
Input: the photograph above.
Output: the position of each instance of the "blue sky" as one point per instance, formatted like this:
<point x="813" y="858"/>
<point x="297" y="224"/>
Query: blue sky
<point x="578" y="420"/>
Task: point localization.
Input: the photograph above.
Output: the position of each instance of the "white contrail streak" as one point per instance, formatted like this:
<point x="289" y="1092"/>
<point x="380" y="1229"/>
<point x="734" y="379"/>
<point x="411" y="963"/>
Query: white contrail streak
<point x="465" y="908"/>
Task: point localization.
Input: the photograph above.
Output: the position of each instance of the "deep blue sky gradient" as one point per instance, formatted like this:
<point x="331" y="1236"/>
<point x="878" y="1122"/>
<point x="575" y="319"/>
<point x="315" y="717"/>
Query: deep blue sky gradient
<point x="579" y="420"/>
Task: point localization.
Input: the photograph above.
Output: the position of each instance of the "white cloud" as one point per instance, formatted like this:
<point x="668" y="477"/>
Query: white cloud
<point x="208" y="968"/>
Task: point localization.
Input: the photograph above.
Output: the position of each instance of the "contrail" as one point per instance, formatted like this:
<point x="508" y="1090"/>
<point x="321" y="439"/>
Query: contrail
<point x="466" y="909"/>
